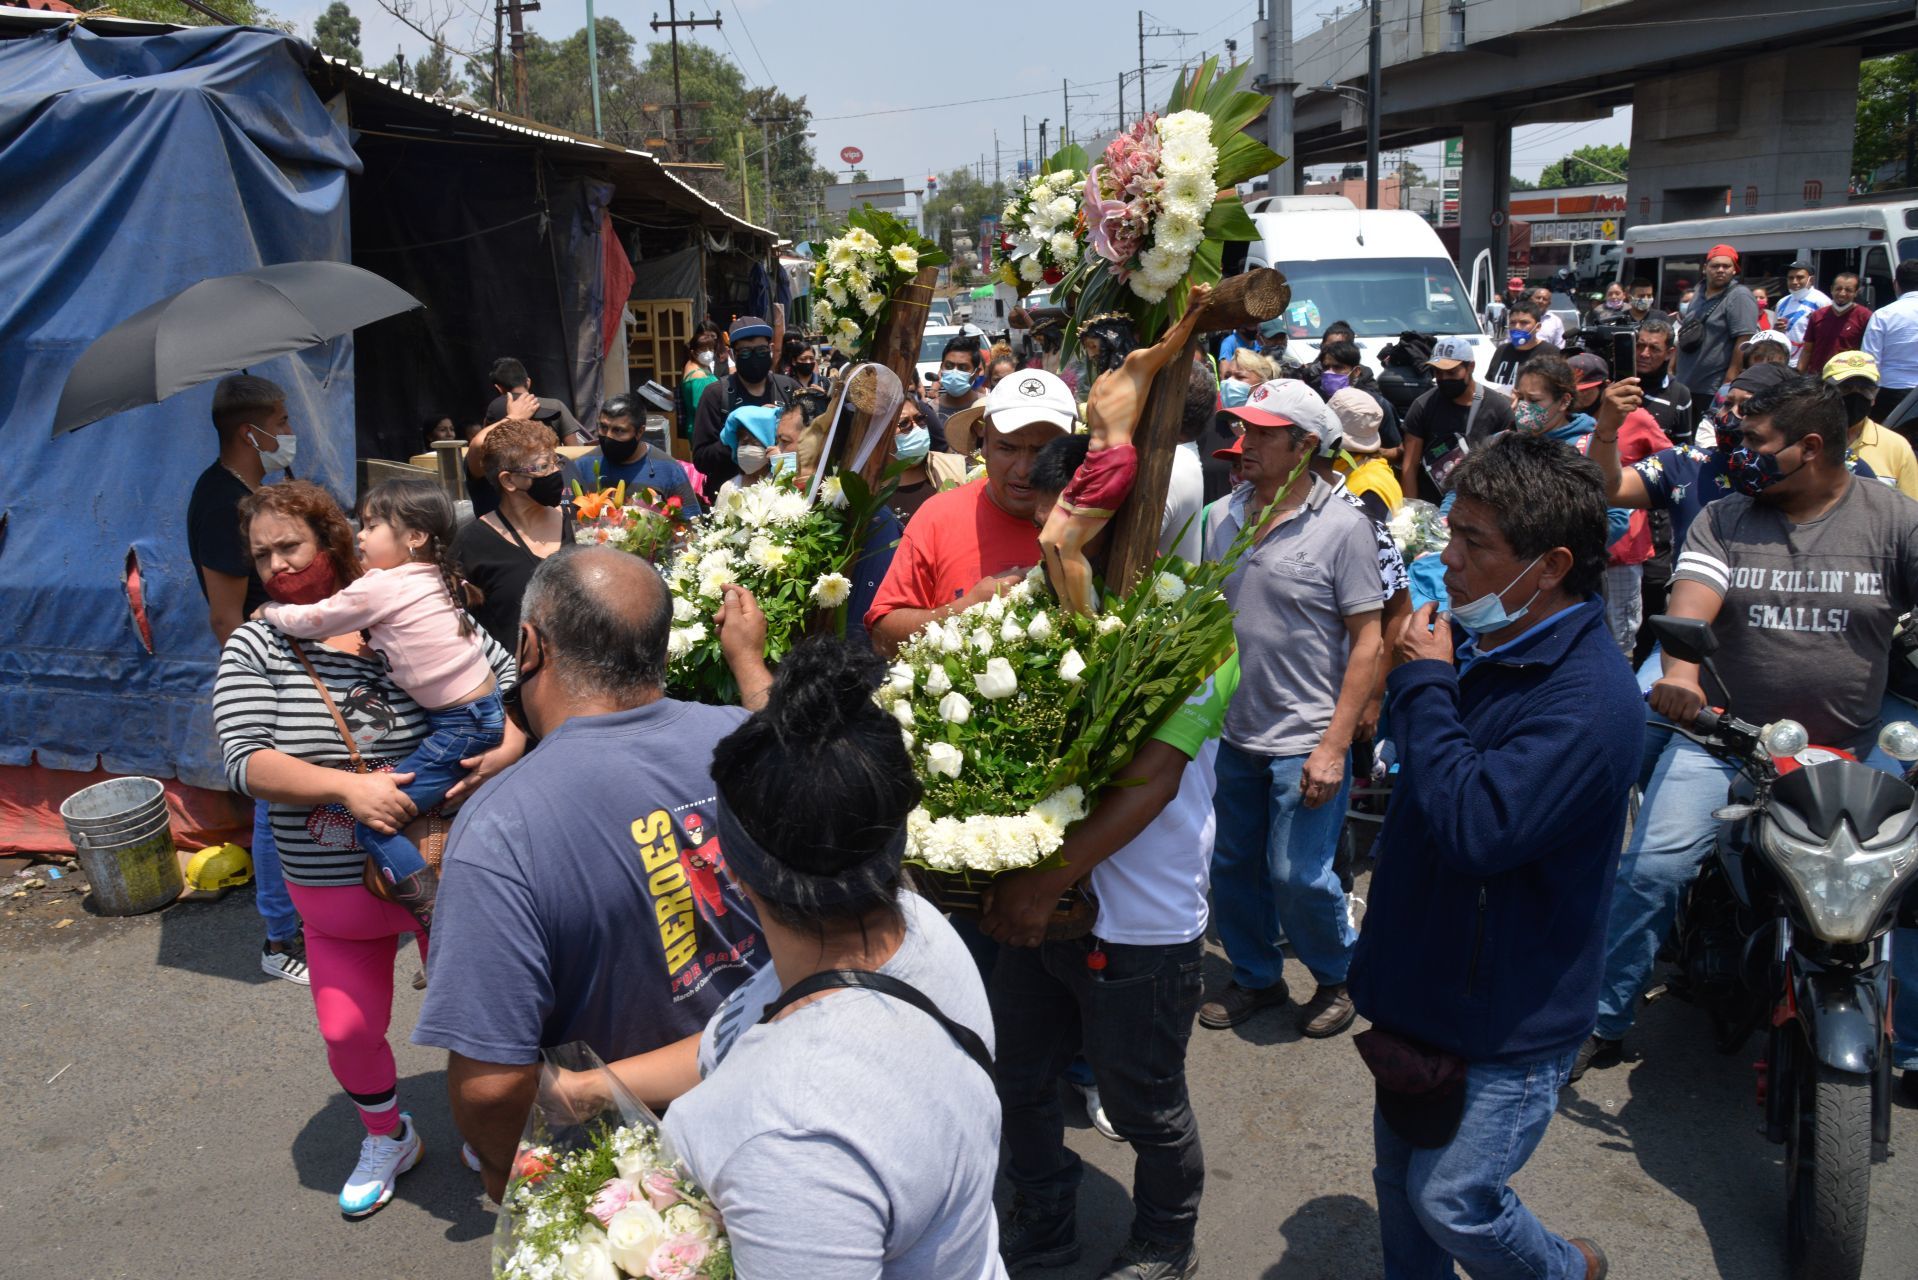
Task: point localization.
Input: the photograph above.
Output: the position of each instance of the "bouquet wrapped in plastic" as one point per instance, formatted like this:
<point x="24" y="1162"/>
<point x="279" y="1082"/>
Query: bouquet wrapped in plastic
<point x="636" y="520"/>
<point x="601" y="1196"/>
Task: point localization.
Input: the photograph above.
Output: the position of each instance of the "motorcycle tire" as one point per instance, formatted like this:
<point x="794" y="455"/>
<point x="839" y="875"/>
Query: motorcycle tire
<point x="1828" y="1173"/>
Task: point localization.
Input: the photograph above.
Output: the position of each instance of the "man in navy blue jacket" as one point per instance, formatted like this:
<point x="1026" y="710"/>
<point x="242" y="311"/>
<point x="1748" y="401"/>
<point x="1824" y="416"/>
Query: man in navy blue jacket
<point x="1484" y="938"/>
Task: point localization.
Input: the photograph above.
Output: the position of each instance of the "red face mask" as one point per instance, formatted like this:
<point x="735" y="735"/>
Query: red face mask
<point x="305" y="586"/>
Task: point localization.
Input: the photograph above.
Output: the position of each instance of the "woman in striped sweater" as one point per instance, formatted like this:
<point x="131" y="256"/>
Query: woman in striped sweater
<point x="282" y="744"/>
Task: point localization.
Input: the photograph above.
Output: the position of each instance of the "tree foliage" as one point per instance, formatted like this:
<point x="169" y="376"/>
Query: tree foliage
<point x="244" y="12"/>
<point x="1523" y="184"/>
<point x="963" y="201"/>
<point x="1885" y="86"/>
<point x="1606" y="163"/>
<point x="336" y="33"/>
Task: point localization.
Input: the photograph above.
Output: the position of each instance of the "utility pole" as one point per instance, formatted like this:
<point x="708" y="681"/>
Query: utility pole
<point x="995" y="157"/>
<point x="1025" y="140"/>
<point x="1275" y="51"/>
<point x="745" y="189"/>
<point x="1371" y="111"/>
<point x="1066" y="93"/>
<point x="672" y="24"/>
<point x="766" y="155"/>
<point x="515" y="12"/>
<point x="592" y="65"/>
<point x="399" y="59"/>
<point x="1042" y="136"/>
<point x="1911" y="142"/>
<point x="499" y="38"/>
<point x="1155" y="33"/>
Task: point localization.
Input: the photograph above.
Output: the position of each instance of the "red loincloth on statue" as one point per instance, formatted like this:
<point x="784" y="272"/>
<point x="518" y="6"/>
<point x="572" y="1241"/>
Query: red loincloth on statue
<point x="1102" y="482"/>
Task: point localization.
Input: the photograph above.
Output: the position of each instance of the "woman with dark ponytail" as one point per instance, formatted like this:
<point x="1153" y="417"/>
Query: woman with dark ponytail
<point x="839" y="1106"/>
<point x="408" y="603"/>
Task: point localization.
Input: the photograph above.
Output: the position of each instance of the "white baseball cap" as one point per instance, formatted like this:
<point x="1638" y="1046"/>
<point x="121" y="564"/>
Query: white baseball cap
<point x="1764" y="336"/>
<point x="1450" y="353"/>
<point x="1022" y="398"/>
<point x="1287" y="402"/>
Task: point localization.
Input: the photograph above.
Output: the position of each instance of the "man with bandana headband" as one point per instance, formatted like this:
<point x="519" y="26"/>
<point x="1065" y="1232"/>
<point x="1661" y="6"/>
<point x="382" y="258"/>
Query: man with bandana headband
<point x="1803" y="573"/>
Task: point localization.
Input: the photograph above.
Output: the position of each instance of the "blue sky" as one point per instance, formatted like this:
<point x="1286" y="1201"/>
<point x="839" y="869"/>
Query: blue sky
<point x="903" y="84"/>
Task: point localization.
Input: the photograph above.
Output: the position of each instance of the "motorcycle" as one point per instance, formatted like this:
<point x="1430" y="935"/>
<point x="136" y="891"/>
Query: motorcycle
<point x="1787" y="928"/>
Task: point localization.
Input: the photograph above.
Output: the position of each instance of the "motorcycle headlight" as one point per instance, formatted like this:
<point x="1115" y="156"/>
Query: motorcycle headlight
<point x="1784" y="738"/>
<point x="1842" y="885"/>
<point x="1899" y="740"/>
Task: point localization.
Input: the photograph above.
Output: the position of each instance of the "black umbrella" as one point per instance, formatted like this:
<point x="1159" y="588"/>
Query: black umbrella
<point x="220" y="326"/>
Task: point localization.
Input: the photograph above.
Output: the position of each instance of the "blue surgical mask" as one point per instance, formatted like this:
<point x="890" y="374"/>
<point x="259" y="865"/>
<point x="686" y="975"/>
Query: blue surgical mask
<point x="783" y="464"/>
<point x="913" y="445"/>
<point x="1487" y="613"/>
<point x="955" y="382"/>
<point x="1234" y="393"/>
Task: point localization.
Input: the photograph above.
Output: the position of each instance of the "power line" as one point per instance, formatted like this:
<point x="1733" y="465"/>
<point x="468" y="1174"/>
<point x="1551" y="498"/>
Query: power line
<point x="770" y="82"/>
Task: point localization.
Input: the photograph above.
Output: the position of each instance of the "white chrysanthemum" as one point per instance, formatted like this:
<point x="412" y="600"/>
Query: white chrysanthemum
<point x="848" y="332"/>
<point x="1072" y="667"/>
<point x="1147" y="287"/>
<point x="840" y="255"/>
<point x="1039" y="630"/>
<point x="955" y="708"/>
<point x="766" y="554"/>
<point x="945" y="759"/>
<point x="862" y="240"/>
<point x="872" y="302"/>
<point x="1167" y="587"/>
<point x="837" y="293"/>
<point x="683" y="610"/>
<point x="1062" y="245"/>
<point x="980" y="641"/>
<point x="905" y="257"/>
<point x="1184" y="124"/>
<point x="787" y="508"/>
<point x="832" y="590"/>
<point x="858" y="281"/>
<point x="1158" y="262"/>
<point x="832" y="492"/>
<point x="1110" y="623"/>
<point x="998" y="680"/>
<point x="823" y="314"/>
<point x="1178" y="232"/>
<point x="1031" y="270"/>
<point x="937" y="681"/>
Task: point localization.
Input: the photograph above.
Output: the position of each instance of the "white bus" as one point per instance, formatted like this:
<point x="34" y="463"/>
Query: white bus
<point x="1867" y="240"/>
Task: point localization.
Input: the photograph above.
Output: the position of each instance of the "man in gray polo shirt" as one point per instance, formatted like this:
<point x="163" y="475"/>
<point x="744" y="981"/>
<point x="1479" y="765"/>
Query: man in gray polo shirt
<point x="1307" y="600"/>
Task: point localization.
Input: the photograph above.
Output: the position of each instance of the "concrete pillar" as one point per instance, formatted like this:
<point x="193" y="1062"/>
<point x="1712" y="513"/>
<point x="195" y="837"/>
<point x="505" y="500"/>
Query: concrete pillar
<point x="1774" y="131"/>
<point x="1484" y="186"/>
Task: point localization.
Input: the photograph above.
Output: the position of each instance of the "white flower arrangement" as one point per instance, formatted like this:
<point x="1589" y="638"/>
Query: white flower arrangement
<point x="860" y="269"/>
<point x="1041" y="223"/>
<point x="1418" y="528"/>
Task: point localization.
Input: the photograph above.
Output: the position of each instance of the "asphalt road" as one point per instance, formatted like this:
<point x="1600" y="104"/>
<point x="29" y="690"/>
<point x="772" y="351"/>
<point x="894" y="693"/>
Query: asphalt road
<point x="193" y="1131"/>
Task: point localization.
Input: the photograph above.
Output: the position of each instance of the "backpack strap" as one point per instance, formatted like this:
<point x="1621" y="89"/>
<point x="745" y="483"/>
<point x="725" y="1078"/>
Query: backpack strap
<point x="885" y="985"/>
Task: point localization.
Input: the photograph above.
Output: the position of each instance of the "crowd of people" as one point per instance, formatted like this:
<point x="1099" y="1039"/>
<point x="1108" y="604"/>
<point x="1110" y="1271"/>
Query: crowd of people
<point x="712" y="898"/>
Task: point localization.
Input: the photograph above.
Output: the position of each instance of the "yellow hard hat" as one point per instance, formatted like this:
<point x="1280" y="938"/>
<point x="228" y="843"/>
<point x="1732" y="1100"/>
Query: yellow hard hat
<point x="211" y="870"/>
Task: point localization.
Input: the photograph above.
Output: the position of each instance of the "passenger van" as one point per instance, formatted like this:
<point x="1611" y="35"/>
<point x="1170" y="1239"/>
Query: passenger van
<point x="1382" y="271"/>
<point x="1865" y="239"/>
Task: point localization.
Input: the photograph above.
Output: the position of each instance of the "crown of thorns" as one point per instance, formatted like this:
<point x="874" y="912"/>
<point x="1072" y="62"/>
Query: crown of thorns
<point x="1104" y="316"/>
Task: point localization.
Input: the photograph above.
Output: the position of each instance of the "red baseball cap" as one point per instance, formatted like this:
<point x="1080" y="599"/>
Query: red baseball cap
<point x="1722" y="251"/>
<point x="1234" y="450"/>
<point x="1515" y="283"/>
<point x="1592" y="370"/>
<point x="1287" y="402"/>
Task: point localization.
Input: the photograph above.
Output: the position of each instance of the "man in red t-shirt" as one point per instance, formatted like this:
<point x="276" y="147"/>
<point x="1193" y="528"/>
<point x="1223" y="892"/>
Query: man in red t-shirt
<point x="967" y="543"/>
<point x="1839" y="327"/>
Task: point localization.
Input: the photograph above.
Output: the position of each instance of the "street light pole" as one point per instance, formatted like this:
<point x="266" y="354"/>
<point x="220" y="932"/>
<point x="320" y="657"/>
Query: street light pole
<point x="1371" y="111"/>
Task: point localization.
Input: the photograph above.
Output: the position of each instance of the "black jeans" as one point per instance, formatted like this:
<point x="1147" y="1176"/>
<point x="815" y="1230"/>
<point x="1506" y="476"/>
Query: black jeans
<point x="1131" y="1020"/>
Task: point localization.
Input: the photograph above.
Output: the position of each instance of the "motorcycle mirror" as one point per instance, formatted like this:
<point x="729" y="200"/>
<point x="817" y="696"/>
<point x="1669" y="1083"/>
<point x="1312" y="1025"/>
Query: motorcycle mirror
<point x="1687" y="639"/>
<point x="1899" y="740"/>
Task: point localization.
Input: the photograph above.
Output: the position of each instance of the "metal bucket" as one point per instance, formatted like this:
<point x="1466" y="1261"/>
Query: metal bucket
<point x="120" y="831"/>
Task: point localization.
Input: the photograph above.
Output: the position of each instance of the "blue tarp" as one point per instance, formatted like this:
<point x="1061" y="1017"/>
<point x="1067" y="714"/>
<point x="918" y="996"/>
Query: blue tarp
<point x="134" y="167"/>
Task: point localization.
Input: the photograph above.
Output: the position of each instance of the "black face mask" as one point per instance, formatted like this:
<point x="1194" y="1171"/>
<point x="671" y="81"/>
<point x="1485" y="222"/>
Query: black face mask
<point x="513" y="701"/>
<point x="1451" y="388"/>
<point x="803" y="372"/>
<point x="753" y="366"/>
<point x="1857" y="406"/>
<point x="618" y="450"/>
<point x="548" y="489"/>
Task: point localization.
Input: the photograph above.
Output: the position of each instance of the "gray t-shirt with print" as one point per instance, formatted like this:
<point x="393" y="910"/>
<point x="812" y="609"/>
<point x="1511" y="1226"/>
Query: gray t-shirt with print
<point x="1291" y="595"/>
<point x="852" y="1137"/>
<point x="1805" y="629"/>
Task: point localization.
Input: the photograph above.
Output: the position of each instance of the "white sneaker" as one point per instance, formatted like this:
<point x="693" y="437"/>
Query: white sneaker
<point x="469" y="1157"/>
<point x="382" y="1161"/>
<point x="1353" y="906"/>
<point x="289" y="964"/>
<point x="1096" y="1112"/>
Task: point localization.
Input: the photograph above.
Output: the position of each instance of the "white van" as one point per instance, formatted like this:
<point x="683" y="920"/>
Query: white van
<point x="1382" y="271"/>
<point x="1867" y="240"/>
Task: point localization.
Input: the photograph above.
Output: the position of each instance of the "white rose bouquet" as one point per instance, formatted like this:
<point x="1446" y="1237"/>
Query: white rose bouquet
<point x="1043" y="228"/>
<point x="857" y="273"/>
<point x="602" y="1198"/>
<point x="795" y="556"/>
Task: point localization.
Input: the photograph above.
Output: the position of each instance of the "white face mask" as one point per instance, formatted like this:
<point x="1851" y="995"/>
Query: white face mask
<point x="1799" y="293"/>
<point x="280" y="457"/>
<point x="706" y="358"/>
<point x="751" y="457"/>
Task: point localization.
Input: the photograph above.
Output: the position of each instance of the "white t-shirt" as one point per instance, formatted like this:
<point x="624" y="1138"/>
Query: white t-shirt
<point x="1182" y="532"/>
<point x="1152" y="893"/>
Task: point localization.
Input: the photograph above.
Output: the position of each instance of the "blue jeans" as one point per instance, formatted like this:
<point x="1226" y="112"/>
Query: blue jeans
<point x="275" y="904"/>
<point x="1132" y="1020"/>
<point x="1451" y="1204"/>
<point x="1272" y="870"/>
<point x="453" y="735"/>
